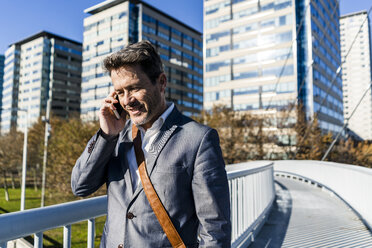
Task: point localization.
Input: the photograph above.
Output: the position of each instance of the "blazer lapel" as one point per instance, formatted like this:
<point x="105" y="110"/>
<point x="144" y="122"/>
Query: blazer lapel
<point x="158" y="145"/>
<point x="169" y="126"/>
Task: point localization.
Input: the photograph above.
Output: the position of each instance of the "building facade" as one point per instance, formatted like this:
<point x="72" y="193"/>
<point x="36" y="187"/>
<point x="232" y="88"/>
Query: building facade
<point x="10" y="89"/>
<point x="113" y="24"/>
<point x="41" y="67"/>
<point x="2" y="59"/>
<point x="356" y="72"/>
<point x="271" y="54"/>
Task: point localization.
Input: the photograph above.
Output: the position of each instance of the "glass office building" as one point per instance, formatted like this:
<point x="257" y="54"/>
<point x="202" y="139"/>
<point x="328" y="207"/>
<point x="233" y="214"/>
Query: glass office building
<point x="2" y="58"/>
<point x="356" y="72"/>
<point x="9" y="93"/>
<point x="37" y="68"/>
<point x="257" y="58"/>
<point x="113" y="24"/>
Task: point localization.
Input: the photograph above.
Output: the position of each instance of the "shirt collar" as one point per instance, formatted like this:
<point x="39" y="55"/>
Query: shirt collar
<point x="160" y="121"/>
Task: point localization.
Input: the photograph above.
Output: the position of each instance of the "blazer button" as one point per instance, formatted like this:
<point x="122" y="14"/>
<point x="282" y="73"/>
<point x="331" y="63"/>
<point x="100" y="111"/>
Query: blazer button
<point x="120" y="246"/>
<point x="130" y="215"/>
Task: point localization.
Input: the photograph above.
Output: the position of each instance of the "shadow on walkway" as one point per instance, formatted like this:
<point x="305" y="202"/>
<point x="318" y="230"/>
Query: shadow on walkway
<point x="273" y="232"/>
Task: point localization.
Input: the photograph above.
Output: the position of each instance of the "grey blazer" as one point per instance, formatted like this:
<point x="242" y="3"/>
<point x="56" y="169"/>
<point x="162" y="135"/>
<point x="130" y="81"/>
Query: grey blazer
<point x="188" y="172"/>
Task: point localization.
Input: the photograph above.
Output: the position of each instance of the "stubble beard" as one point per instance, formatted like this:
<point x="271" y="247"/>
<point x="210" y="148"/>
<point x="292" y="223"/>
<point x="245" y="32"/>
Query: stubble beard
<point x="142" y="119"/>
<point x="152" y="109"/>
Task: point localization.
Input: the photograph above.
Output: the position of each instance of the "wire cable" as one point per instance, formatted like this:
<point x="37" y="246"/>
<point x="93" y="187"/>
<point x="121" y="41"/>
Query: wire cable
<point x="330" y="87"/>
<point x="345" y="124"/>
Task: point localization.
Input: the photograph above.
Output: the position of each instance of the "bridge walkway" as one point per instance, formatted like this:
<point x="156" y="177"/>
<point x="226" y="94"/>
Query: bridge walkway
<point x="307" y="216"/>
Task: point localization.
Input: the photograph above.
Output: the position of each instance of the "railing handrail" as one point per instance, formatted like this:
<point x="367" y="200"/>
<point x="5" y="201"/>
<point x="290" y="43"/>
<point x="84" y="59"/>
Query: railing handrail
<point x="252" y="194"/>
<point x="39" y="220"/>
<point x="238" y="170"/>
<point x="356" y="168"/>
<point x="50" y="217"/>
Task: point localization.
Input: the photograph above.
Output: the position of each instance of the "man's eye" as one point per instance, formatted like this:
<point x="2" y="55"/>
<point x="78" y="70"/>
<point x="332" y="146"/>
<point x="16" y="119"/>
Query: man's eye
<point x="133" y="90"/>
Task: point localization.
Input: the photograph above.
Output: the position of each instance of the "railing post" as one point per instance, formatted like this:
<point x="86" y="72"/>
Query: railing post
<point x="38" y="240"/>
<point x="91" y="233"/>
<point x="67" y="236"/>
<point x="234" y="209"/>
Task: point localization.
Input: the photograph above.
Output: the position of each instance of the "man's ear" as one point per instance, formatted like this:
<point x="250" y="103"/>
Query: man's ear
<point x="162" y="81"/>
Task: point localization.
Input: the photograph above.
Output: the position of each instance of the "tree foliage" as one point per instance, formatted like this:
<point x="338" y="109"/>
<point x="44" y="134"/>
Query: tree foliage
<point x="261" y="135"/>
<point x="11" y="151"/>
<point x="68" y="139"/>
<point x="231" y="129"/>
<point x="352" y="152"/>
<point x="241" y="134"/>
<point x="310" y="142"/>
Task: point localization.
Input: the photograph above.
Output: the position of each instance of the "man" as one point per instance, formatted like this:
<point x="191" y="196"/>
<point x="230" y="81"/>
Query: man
<point x="183" y="160"/>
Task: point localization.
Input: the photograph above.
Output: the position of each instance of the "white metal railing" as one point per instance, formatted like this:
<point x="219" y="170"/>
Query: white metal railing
<point x="35" y="221"/>
<point x="251" y="196"/>
<point x="351" y="183"/>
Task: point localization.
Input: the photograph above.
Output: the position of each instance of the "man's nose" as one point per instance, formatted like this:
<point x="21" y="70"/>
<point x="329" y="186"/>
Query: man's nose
<point x="127" y="98"/>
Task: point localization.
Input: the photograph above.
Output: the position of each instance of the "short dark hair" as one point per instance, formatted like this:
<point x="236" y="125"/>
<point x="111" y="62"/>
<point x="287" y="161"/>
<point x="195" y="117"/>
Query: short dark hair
<point x="141" y="53"/>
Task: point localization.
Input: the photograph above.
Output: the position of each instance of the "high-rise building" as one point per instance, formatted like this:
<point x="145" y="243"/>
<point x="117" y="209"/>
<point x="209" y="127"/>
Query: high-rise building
<point x="41" y="67"/>
<point x="2" y="58"/>
<point x="356" y="72"/>
<point x="113" y="24"/>
<point x="10" y="90"/>
<point x="267" y="54"/>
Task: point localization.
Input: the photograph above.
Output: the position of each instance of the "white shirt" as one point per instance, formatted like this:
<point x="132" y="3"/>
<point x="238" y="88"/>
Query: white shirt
<point x="147" y="138"/>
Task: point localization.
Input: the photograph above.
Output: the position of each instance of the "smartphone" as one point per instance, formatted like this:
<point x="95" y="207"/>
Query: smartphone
<point x="119" y="109"/>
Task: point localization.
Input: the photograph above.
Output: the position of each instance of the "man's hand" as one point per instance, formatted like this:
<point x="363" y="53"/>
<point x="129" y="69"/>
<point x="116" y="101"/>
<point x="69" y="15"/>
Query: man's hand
<point x="107" y="120"/>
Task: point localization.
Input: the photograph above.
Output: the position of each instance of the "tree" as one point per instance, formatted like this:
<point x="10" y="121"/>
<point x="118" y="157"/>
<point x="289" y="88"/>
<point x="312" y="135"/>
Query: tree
<point x="241" y="134"/>
<point x="309" y="138"/>
<point x="363" y="153"/>
<point x="35" y="150"/>
<point x="67" y="141"/>
<point x="223" y="120"/>
<point x="352" y="152"/>
<point x="10" y="155"/>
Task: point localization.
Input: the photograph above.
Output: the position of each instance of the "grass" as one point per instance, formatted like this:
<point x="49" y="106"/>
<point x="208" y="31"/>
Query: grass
<point x="14" y="203"/>
<point x="52" y="238"/>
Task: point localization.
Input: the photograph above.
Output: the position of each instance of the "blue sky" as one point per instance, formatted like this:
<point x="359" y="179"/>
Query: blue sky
<point x="20" y="19"/>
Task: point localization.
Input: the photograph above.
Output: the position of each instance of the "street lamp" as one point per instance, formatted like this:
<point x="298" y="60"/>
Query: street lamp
<point x="46" y="138"/>
<point x="24" y="158"/>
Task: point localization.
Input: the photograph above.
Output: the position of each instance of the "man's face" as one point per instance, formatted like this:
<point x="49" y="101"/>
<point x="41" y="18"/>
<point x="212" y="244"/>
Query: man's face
<point x="143" y="100"/>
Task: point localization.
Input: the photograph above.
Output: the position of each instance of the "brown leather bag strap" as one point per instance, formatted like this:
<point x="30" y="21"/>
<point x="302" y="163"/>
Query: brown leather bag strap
<point x="153" y="198"/>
